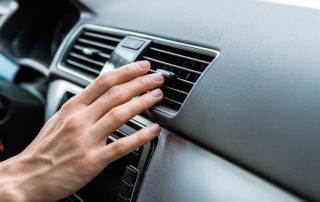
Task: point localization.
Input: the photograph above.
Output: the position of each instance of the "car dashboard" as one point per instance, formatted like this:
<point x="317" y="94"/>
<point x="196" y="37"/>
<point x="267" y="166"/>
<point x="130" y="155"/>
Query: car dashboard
<point x="240" y="114"/>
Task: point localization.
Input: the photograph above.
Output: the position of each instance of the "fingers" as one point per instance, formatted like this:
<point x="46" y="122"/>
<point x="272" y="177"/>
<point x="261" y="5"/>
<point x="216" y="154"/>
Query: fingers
<point x="112" y="78"/>
<point x="128" y="144"/>
<point x="122" y="93"/>
<point x="123" y="113"/>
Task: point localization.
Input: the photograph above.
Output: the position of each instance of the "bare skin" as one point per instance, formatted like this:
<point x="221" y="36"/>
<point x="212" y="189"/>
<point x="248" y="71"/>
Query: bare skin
<point x="70" y="149"/>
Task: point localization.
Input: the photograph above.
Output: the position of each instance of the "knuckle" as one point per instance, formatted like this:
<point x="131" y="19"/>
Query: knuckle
<point x="84" y="160"/>
<point x="103" y="80"/>
<point x="135" y="65"/>
<point x="126" y="70"/>
<point x="141" y="82"/>
<point x="120" y="147"/>
<point x="71" y="123"/>
<point x="75" y="100"/>
<point x="69" y="105"/>
<point x="65" y="107"/>
<point x="116" y="92"/>
<point x="117" y="115"/>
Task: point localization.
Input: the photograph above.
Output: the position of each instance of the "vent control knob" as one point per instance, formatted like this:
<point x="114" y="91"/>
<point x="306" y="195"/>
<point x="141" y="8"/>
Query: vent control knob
<point x="90" y="51"/>
<point x="167" y="75"/>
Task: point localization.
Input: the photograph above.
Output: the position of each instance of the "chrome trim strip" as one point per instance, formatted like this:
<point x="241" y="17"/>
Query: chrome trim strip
<point x="7" y="10"/>
<point x="55" y="93"/>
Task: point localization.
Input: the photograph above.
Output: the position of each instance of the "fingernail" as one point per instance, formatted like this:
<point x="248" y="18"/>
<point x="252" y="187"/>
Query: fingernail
<point x="144" y="64"/>
<point x="156" y="92"/>
<point x="154" y="128"/>
<point x="157" y="76"/>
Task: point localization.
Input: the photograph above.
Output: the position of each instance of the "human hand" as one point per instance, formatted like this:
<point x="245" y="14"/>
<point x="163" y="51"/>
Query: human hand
<point x="71" y="149"/>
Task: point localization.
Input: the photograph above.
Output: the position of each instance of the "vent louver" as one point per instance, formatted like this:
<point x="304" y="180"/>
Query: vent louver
<point x="90" y="51"/>
<point x="185" y="64"/>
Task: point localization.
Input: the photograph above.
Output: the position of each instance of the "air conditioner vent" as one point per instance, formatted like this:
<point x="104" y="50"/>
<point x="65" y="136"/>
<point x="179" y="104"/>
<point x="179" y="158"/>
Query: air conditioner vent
<point x="90" y="51"/>
<point x="187" y="65"/>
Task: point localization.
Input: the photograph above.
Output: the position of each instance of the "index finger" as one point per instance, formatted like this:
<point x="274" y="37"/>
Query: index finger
<point x="109" y="79"/>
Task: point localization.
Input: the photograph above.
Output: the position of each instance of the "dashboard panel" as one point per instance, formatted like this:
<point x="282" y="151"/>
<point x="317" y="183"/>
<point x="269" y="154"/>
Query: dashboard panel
<point x="249" y="121"/>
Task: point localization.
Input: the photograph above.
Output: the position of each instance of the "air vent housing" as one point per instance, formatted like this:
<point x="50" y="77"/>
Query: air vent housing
<point x="186" y="63"/>
<point x="90" y="51"/>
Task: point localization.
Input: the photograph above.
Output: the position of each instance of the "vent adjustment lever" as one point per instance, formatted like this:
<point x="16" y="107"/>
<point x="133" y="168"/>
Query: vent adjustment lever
<point x="167" y="74"/>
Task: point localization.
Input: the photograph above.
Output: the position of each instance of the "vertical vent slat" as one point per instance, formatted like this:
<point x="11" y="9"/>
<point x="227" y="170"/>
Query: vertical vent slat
<point x="186" y="64"/>
<point x="90" y="51"/>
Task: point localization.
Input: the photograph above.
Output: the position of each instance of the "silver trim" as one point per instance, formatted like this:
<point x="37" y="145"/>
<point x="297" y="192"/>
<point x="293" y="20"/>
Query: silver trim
<point x="122" y="32"/>
<point x="35" y="65"/>
<point x="7" y="8"/>
<point x="55" y="92"/>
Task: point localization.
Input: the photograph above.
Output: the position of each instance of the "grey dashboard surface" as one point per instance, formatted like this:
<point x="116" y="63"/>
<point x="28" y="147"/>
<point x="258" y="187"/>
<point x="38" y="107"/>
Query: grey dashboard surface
<point x="182" y="171"/>
<point x="258" y="103"/>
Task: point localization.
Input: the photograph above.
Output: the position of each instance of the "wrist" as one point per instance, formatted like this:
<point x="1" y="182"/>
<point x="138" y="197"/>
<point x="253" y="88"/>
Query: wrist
<point x="11" y="194"/>
<point x="10" y="181"/>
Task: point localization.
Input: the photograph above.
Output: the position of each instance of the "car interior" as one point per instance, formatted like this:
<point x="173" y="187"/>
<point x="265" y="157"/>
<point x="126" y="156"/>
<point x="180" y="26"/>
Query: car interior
<point x="240" y="117"/>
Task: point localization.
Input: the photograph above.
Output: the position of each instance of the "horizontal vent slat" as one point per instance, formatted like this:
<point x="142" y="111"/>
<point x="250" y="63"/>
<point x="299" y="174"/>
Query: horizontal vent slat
<point x="104" y="55"/>
<point x="79" y="65"/>
<point x="170" y="65"/>
<point x="185" y="81"/>
<point x="100" y="36"/>
<point x="178" y="55"/>
<point x="168" y="99"/>
<point x="179" y="79"/>
<point x="119" y="133"/>
<point x="90" y="51"/>
<point x="86" y="59"/>
<point x="175" y="90"/>
<point x="78" y="47"/>
<point x="186" y="65"/>
<point x="101" y="54"/>
<point x="94" y="43"/>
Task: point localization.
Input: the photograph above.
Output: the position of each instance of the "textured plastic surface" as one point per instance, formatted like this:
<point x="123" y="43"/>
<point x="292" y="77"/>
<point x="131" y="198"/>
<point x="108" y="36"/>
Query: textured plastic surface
<point x="182" y="171"/>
